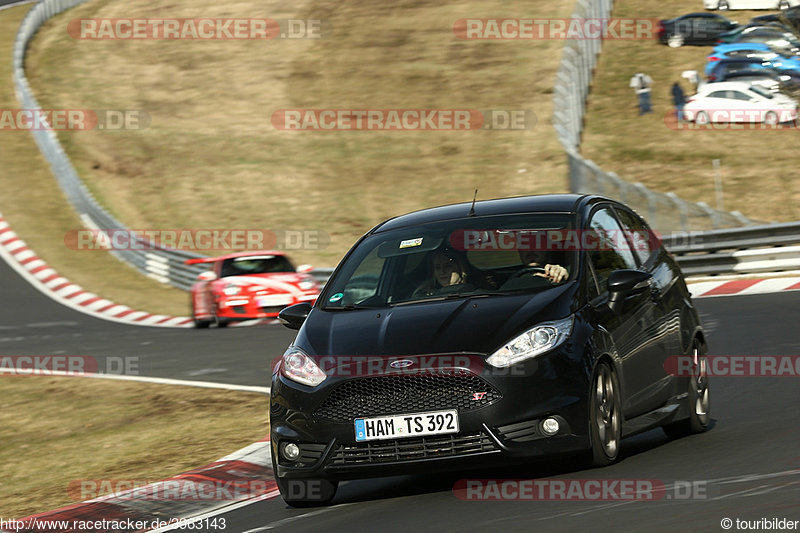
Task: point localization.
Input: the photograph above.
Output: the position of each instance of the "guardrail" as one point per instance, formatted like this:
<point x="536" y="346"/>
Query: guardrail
<point x="666" y="212"/>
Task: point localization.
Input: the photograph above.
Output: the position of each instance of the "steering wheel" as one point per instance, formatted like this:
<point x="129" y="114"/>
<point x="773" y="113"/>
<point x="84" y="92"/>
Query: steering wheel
<point x="526" y="271"/>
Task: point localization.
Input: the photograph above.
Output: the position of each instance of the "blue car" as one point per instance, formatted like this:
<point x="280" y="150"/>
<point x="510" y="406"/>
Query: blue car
<point x="761" y="56"/>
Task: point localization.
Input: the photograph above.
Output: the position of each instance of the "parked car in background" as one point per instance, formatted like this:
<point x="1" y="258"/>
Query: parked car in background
<point x="759" y="54"/>
<point x="749" y="4"/>
<point x="787" y="82"/>
<point x="723" y="69"/>
<point x="248" y="285"/>
<point x="770" y="35"/>
<point x="694" y="28"/>
<point x="496" y="365"/>
<point x="734" y="101"/>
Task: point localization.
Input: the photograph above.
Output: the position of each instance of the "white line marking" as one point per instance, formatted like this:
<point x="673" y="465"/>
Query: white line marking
<point x="159" y="381"/>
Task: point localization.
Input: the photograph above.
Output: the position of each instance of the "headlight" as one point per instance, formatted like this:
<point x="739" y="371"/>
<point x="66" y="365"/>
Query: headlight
<point x="535" y="341"/>
<point x="231" y="290"/>
<point x="299" y="367"/>
<point x="307" y="285"/>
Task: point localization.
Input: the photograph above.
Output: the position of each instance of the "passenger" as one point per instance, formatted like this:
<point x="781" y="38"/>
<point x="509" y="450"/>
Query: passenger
<point x="448" y="275"/>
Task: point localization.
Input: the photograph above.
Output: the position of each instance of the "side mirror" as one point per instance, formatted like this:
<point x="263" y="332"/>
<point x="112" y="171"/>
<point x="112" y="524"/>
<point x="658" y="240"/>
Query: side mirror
<point x="293" y="316"/>
<point x="625" y="283"/>
<point x="208" y="275"/>
<point x="304" y="269"/>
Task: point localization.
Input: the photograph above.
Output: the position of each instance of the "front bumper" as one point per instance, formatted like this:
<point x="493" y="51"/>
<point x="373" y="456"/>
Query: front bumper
<point x="248" y="307"/>
<point x="507" y="429"/>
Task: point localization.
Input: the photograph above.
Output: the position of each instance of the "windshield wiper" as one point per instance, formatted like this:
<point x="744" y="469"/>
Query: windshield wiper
<point x="443" y="297"/>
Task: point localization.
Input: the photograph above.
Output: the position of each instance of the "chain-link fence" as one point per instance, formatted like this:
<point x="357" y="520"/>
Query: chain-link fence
<point x="665" y="211"/>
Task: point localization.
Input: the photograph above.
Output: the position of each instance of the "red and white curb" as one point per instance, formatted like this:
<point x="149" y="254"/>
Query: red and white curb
<point x="251" y="466"/>
<point x="34" y="270"/>
<point x="705" y="287"/>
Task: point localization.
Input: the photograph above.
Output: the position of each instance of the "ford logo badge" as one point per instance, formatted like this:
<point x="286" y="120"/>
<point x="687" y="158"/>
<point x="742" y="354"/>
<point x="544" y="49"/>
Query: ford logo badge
<point x="401" y="363"/>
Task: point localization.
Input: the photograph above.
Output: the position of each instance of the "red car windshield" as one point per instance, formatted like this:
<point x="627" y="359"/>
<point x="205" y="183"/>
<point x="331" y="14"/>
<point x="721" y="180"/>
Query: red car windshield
<point x="257" y="264"/>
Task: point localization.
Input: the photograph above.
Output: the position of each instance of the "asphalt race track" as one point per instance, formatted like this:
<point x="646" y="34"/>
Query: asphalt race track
<point x="747" y="466"/>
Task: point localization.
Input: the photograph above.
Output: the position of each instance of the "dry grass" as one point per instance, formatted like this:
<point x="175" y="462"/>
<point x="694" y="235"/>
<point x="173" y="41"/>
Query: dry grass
<point x="211" y="157"/>
<point x="57" y="430"/>
<point x="756" y="165"/>
<point x="38" y="211"/>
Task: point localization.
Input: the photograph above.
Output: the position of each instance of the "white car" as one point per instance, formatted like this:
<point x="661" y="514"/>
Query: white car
<point x="749" y="4"/>
<point x="735" y="101"/>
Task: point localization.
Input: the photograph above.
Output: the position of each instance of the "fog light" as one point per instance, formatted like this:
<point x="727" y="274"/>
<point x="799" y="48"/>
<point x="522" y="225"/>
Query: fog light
<point x="291" y="451"/>
<point x="550" y="426"/>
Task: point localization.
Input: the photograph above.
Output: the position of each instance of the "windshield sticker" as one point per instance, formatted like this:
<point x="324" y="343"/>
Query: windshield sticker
<point x="411" y="242"/>
<point x="336" y="297"/>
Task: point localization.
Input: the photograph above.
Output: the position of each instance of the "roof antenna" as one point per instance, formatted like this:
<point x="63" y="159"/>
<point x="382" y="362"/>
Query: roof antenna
<point x="472" y="209"/>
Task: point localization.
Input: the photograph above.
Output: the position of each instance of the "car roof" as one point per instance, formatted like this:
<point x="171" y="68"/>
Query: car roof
<point x="233" y="256"/>
<point x="545" y="203"/>
<point x="722" y="85"/>
<point x="729" y="47"/>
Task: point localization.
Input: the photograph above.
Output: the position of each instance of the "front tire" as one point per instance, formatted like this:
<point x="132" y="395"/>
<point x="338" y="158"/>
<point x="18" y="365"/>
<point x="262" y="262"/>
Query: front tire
<point x="698" y="399"/>
<point x="701" y="118"/>
<point x="605" y="416"/>
<point x="675" y="41"/>
<point x="771" y="119"/>
<point x="199" y="324"/>
<point x="723" y="5"/>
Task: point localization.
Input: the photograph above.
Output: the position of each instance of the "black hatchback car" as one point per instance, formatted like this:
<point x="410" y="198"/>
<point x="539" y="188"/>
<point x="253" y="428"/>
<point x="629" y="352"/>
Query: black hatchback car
<point x="694" y="28"/>
<point x="477" y="333"/>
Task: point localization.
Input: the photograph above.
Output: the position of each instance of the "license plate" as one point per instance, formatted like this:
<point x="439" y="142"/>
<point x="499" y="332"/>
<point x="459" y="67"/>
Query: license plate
<point x="273" y="301"/>
<point x="402" y="426"/>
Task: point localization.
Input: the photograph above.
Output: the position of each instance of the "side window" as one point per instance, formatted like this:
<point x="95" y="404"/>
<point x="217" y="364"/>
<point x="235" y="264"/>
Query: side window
<point x="645" y="243"/>
<point x="610" y="250"/>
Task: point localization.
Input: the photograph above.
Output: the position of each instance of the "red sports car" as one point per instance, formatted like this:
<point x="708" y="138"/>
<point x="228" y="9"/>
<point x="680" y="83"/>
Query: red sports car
<point x="248" y="285"/>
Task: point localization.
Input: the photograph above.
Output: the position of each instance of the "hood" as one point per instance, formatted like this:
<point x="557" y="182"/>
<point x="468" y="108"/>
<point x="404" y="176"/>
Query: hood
<point x="469" y="325"/>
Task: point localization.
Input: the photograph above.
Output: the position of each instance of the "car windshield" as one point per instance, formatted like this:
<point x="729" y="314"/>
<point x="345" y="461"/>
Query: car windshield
<point x="459" y="258"/>
<point x="255" y="264"/>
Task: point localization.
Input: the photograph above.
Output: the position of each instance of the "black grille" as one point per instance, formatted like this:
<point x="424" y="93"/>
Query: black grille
<point x="405" y="393"/>
<point x="411" y="449"/>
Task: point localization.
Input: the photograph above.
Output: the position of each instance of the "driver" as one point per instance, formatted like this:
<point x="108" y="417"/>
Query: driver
<point x="538" y="259"/>
<point x="448" y="275"/>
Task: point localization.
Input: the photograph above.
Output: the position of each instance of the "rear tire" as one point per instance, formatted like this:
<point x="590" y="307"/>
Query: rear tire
<point x="771" y="119"/>
<point x="698" y="399"/>
<point x="722" y="5"/>
<point x="605" y="416"/>
<point x="701" y="118"/>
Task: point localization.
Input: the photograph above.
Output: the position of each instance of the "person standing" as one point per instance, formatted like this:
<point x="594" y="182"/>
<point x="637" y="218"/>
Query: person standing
<point x="678" y="99"/>
<point x="641" y="83"/>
